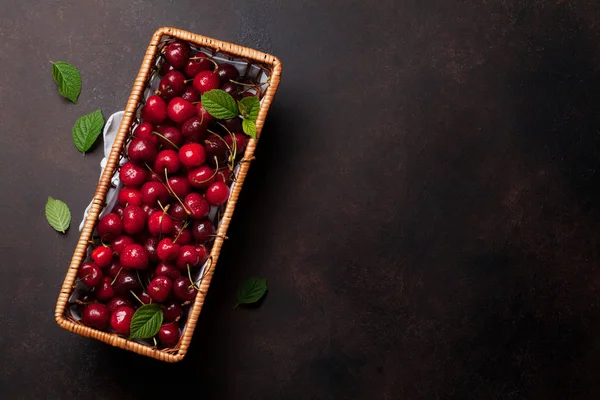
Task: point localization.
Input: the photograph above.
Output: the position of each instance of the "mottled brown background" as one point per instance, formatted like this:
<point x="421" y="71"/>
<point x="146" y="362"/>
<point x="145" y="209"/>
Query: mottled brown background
<point x="425" y="201"/>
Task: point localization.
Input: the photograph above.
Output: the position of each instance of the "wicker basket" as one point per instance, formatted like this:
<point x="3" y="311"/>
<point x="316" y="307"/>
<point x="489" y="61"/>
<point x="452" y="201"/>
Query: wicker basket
<point x="272" y="66"/>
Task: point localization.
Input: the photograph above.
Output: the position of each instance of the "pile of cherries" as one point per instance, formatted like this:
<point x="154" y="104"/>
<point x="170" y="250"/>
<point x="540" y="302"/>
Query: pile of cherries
<point x="180" y="167"/>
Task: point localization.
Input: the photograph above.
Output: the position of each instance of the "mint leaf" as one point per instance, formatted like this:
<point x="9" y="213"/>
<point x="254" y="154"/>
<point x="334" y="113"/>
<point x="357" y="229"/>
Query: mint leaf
<point x="68" y="79"/>
<point x="219" y="104"/>
<point x="251" y="291"/>
<point x="58" y="214"/>
<point x="146" y="322"/>
<point x="250" y="107"/>
<point x="87" y="129"/>
<point x="249" y="128"/>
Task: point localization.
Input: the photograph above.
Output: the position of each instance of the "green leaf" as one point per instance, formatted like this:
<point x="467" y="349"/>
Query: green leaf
<point x="250" y="106"/>
<point x="58" y="214"/>
<point x="68" y="79"/>
<point x="146" y="322"/>
<point x="219" y="104"/>
<point x="87" y="129"/>
<point x="251" y="291"/>
<point x="249" y="128"/>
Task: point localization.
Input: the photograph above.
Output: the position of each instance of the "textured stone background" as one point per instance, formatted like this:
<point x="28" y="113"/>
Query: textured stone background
<point x="425" y="201"/>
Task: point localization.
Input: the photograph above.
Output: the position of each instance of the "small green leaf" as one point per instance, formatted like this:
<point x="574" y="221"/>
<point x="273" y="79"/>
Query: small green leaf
<point x="249" y="128"/>
<point x="250" y="106"/>
<point x="251" y="291"/>
<point x="68" y="79"/>
<point x="87" y="129"/>
<point x="58" y="214"/>
<point x="146" y="322"/>
<point x="219" y="104"/>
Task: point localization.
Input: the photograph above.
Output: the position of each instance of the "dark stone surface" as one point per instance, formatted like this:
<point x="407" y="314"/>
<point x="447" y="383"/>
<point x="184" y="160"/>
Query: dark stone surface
<point x="425" y="201"/>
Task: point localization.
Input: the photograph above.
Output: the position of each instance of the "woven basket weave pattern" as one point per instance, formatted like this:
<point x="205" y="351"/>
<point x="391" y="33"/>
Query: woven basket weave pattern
<point x="159" y="40"/>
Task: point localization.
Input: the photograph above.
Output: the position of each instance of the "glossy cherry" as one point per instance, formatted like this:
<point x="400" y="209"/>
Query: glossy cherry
<point x="201" y="177"/>
<point x="180" y="110"/>
<point x="120" y="320"/>
<point x="188" y="256"/>
<point x="179" y="186"/>
<point x="227" y="72"/>
<point x="203" y="231"/>
<point x="203" y="114"/>
<point x="96" y="315"/>
<point x="150" y="245"/>
<point x="145" y="131"/>
<point x="196" y="205"/>
<point x="216" y="150"/>
<point x="232" y="89"/>
<point x="182" y="235"/>
<point x="120" y="242"/>
<point x="159" y="288"/>
<point x="141" y="151"/>
<point x="167" y="269"/>
<point x="104" y="291"/>
<point x="149" y="209"/>
<point x="102" y="255"/>
<point x="90" y="274"/>
<point x="109" y="227"/>
<point x="171" y="85"/>
<point x="170" y="137"/>
<point x="154" y="192"/>
<point x="192" y="155"/>
<point x="118" y="301"/>
<point x="167" y="159"/>
<point x="165" y="68"/>
<point x="132" y="175"/>
<point x="134" y="220"/>
<point x="172" y="312"/>
<point x="160" y="223"/>
<point x="129" y="197"/>
<point x="177" y="54"/>
<point x="134" y="256"/>
<point x="240" y="143"/>
<point x="195" y="129"/>
<point x="155" y="110"/>
<point x="217" y="193"/>
<point x="197" y="64"/>
<point x="177" y="212"/>
<point x="125" y="281"/>
<point x="118" y="209"/>
<point x="190" y="94"/>
<point x="167" y="250"/>
<point x="169" y="335"/>
<point x="206" y="80"/>
<point x="183" y="289"/>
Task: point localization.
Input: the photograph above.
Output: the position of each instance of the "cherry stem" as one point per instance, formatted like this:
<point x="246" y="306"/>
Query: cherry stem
<point x="207" y="58"/>
<point x="206" y="271"/>
<point x="185" y="225"/>
<point x="154" y="339"/>
<point x="140" y="279"/>
<point x="246" y="84"/>
<point x="137" y="298"/>
<point x="162" y="136"/>
<point x="212" y="176"/>
<point x="170" y="189"/>
<point x="190" y="277"/>
<point x="233" y="153"/>
<point x="116" y="276"/>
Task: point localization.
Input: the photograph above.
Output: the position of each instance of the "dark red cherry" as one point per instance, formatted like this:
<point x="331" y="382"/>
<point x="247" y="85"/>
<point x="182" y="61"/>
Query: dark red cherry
<point x="216" y="150"/>
<point x="165" y="68"/>
<point x="203" y="254"/>
<point x="197" y="205"/>
<point x="217" y="194"/>
<point x="197" y="64"/>
<point x="154" y="192"/>
<point x="160" y="223"/>
<point x="141" y="151"/>
<point x="96" y="315"/>
<point x="233" y="125"/>
<point x="170" y="138"/>
<point x="167" y="159"/>
<point x="114" y="269"/>
<point x="203" y="114"/>
<point x="129" y="197"/>
<point x="104" y="290"/>
<point x="167" y="269"/>
<point x="150" y="245"/>
<point x="177" y="54"/>
<point x="167" y="250"/>
<point x="90" y="274"/>
<point x="169" y="335"/>
<point x="119" y="244"/>
<point x="132" y="175"/>
<point x="201" y="177"/>
<point x="180" y="110"/>
<point x="240" y="143"/>
<point x="155" y="110"/>
<point x="102" y="255"/>
<point x="118" y="209"/>
<point x="232" y="89"/>
<point x="183" y="289"/>
<point x="134" y="220"/>
<point x="109" y="227"/>
<point x="192" y="155"/>
<point x="118" y="301"/>
<point x="179" y="185"/>
<point x="143" y="297"/>
<point x="206" y="80"/>
<point x="172" y="312"/>
<point x="203" y="231"/>
<point x="182" y="235"/>
<point x="120" y="320"/>
<point x="172" y="85"/>
<point x="227" y="72"/>
<point x="134" y="256"/>
<point x="188" y="256"/>
<point x="145" y="131"/>
<point x="159" y="288"/>
<point x="126" y="281"/>
<point x="225" y="175"/>
<point x="194" y="129"/>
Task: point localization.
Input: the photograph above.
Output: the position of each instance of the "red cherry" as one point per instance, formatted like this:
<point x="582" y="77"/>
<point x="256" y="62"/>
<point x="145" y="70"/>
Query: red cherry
<point x="227" y="72"/>
<point x="150" y="245"/>
<point x="199" y="63"/>
<point x="179" y="110"/>
<point x="154" y="192"/>
<point x="203" y="231"/>
<point x="240" y="143"/>
<point x="90" y="274"/>
<point x="159" y="288"/>
<point x="232" y="89"/>
<point x="144" y="297"/>
<point x="129" y="197"/>
<point x="141" y="151"/>
<point x="203" y="254"/>
<point x="188" y="256"/>
<point x="145" y="131"/>
<point x="179" y="185"/>
<point x="195" y="129"/>
<point x="120" y="320"/>
<point x="155" y="110"/>
<point x="149" y="209"/>
<point x="183" y="289"/>
<point x="233" y="124"/>
<point x="118" y="209"/>
<point x="126" y="281"/>
<point x="114" y="269"/>
<point x="160" y="223"/>
<point x="171" y="85"/>
<point x="177" y="53"/>
<point x="206" y="80"/>
<point x="170" y="138"/>
<point x="96" y="315"/>
<point x="183" y="236"/>
<point x="167" y="250"/>
<point x="167" y="159"/>
<point x="225" y="175"/>
<point x="192" y="155"/>
<point x="197" y="205"/>
<point x="134" y="256"/>
<point x="165" y="68"/>
<point x="169" y="335"/>
<point x="177" y="212"/>
<point x="109" y="227"/>
<point x="132" y="175"/>
<point x="118" y="301"/>
<point x="201" y="177"/>
<point x="203" y="114"/>
<point x="134" y="220"/>
<point x="104" y="290"/>
<point x="217" y="193"/>
<point x="102" y="255"/>
<point x="190" y="94"/>
<point x="172" y="312"/>
<point x="166" y="269"/>
<point x="119" y="243"/>
<point x="216" y="150"/>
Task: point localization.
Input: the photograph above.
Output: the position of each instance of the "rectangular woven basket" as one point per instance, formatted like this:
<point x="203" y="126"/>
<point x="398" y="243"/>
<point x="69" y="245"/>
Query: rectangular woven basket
<point x="268" y="63"/>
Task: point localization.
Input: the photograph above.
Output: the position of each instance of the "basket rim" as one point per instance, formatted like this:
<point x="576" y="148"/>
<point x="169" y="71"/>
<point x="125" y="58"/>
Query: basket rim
<point x="80" y="252"/>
